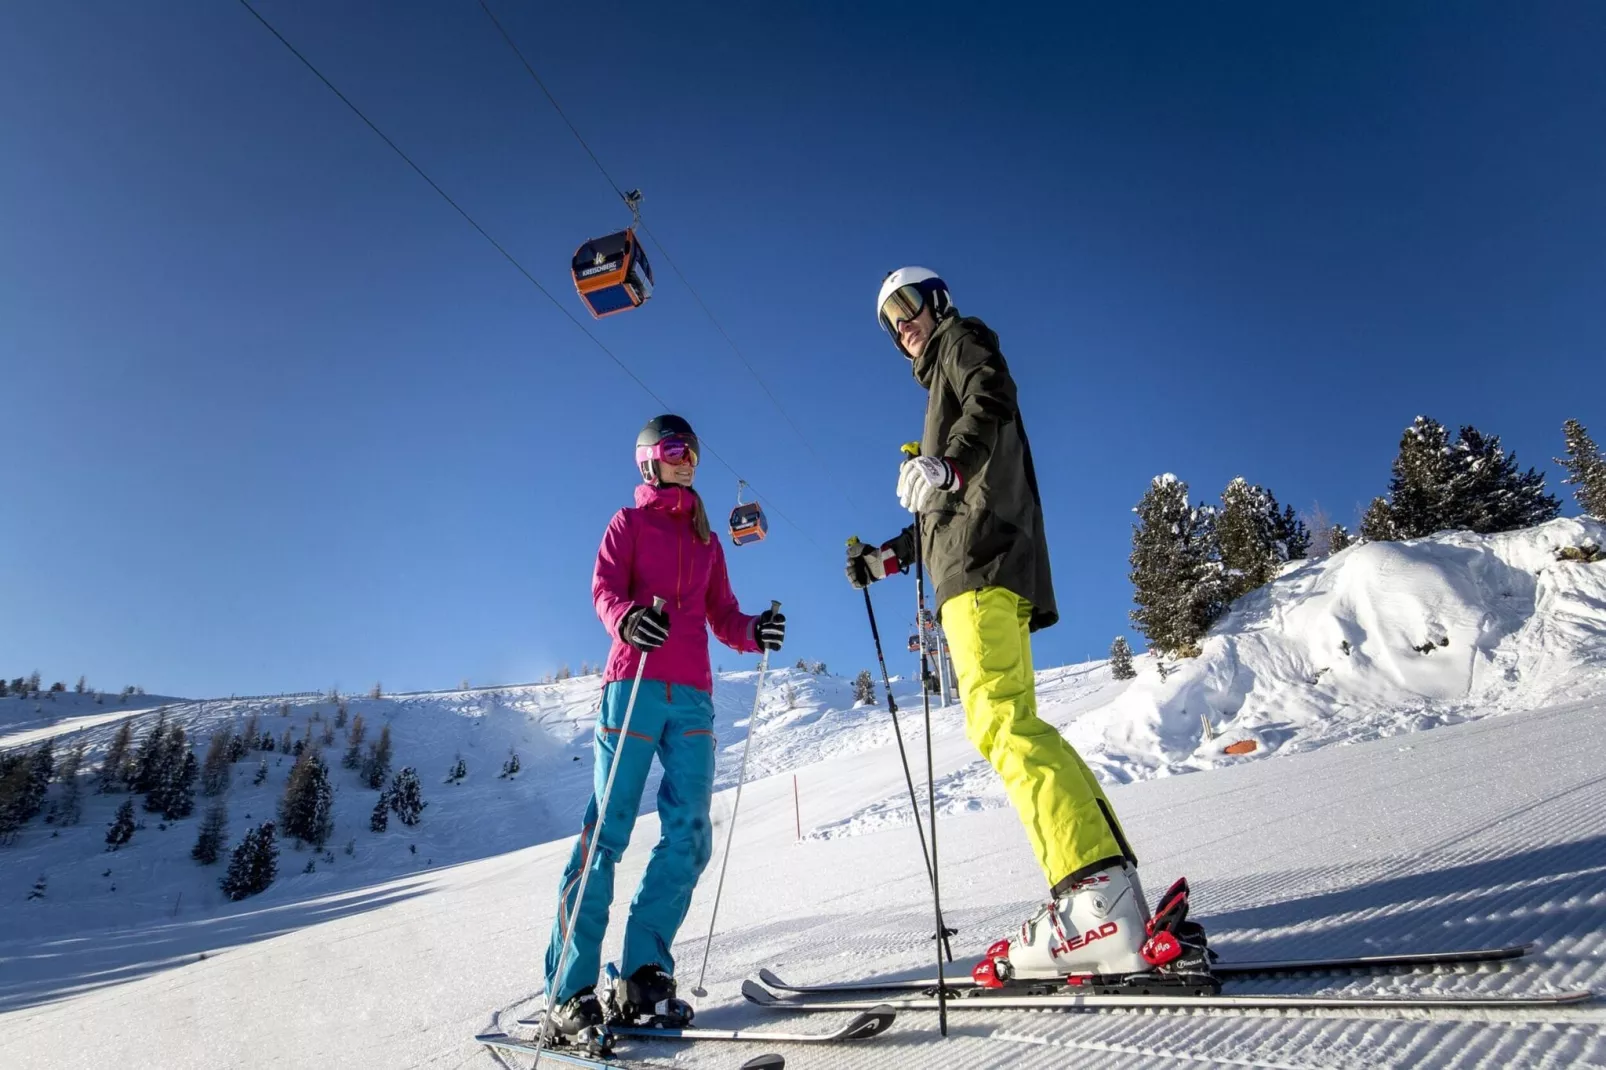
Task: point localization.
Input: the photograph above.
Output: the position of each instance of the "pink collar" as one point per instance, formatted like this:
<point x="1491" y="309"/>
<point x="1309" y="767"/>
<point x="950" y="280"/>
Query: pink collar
<point x="670" y="498"/>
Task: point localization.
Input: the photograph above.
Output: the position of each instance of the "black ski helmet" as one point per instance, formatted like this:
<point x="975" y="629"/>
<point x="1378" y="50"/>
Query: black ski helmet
<point x="659" y="428"/>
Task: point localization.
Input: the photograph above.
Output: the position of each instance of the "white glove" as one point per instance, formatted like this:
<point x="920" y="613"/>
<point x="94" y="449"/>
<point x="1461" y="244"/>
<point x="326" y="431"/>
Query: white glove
<point x="921" y="478"/>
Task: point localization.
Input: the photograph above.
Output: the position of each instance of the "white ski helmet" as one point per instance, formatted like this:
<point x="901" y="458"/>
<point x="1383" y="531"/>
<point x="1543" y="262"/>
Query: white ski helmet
<point x="908" y="290"/>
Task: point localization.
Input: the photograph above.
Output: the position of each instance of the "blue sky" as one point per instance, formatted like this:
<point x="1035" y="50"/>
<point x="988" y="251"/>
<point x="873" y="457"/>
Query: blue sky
<point x="278" y="418"/>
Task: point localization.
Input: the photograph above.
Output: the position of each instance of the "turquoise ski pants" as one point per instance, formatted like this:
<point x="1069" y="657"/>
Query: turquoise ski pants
<point x="676" y="723"/>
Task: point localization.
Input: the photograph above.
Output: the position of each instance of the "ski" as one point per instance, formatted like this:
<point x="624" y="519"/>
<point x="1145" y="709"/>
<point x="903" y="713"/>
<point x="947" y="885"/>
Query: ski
<point x="873" y="1021"/>
<point x="1409" y="960"/>
<point x="870" y="1023"/>
<point x="995" y="999"/>
<point x="565" y="1057"/>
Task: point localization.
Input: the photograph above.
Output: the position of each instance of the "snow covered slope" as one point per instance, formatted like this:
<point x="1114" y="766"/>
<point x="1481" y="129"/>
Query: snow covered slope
<point x="1379" y="639"/>
<point x="1384" y="845"/>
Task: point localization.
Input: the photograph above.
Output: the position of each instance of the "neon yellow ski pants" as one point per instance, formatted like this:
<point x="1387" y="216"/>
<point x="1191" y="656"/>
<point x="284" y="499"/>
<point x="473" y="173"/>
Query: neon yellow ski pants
<point x="1070" y="824"/>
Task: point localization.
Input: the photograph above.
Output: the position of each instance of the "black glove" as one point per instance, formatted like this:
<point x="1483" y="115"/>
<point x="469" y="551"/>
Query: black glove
<point x="769" y="631"/>
<point x="645" y="628"/>
<point x="867" y="563"/>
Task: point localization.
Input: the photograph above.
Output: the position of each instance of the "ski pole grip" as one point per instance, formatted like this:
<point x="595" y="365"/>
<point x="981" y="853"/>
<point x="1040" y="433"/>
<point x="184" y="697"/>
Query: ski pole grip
<point x="910" y="449"/>
<point x="775" y="607"/>
<point x="658" y="603"/>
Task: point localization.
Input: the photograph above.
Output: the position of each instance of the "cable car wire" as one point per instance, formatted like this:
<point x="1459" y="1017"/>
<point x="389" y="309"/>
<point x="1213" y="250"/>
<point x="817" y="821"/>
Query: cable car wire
<point x="499" y="247"/>
<point x="663" y="250"/>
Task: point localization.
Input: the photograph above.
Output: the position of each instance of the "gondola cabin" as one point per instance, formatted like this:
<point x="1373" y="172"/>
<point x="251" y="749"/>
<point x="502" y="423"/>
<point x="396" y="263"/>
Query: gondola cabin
<point x="914" y="644"/>
<point x="748" y="524"/>
<point x="612" y="274"/>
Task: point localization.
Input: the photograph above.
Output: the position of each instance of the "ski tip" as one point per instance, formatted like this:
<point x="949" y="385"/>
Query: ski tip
<point x="871" y="1023"/>
<point x="487" y="1038"/>
<point x="770" y="979"/>
<point x="765" y="1062"/>
<point x="756" y="993"/>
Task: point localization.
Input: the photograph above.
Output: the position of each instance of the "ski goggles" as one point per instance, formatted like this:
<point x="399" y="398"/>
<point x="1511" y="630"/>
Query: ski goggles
<point x="901" y="305"/>
<point x="673" y="449"/>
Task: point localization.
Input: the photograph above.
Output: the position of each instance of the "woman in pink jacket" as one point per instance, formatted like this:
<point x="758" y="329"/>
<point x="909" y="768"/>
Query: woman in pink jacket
<point x="660" y="548"/>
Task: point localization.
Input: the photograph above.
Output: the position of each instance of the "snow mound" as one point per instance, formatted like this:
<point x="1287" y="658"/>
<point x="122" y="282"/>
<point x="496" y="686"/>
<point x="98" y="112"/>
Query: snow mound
<point x="1378" y="639"/>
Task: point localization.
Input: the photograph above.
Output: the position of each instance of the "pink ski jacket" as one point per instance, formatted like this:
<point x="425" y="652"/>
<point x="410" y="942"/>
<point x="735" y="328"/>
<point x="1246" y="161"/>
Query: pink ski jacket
<point x="650" y="550"/>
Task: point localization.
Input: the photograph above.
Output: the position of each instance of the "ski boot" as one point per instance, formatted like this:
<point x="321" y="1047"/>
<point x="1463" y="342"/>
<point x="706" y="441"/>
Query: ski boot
<point x="578" y="1022"/>
<point x="646" y="998"/>
<point x="1097" y="936"/>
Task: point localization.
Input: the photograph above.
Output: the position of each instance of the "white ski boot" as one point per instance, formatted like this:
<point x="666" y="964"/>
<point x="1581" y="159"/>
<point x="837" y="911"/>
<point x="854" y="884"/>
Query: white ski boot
<point x="1098" y="926"/>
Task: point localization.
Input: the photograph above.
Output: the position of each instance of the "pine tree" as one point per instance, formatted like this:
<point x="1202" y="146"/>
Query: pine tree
<point x="286" y="741"/>
<point x="122" y="827"/>
<point x="306" y="811"/>
<point x="80" y="686"/>
<point x="1586" y="470"/>
<point x="1338" y="538"/>
<point x="459" y="770"/>
<point x="214" y="830"/>
<point x="1247" y="530"/>
<point x="353" y="758"/>
<point x="407" y="796"/>
<point x="71" y="807"/>
<point x="1377" y="523"/>
<point x="379" y="820"/>
<point x="1176" y="572"/>
<point x="110" y="777"/>
<point x="1487" y="492"/>
<point x="41" y="769"/>
<point x="148" y="759"/>
<point x="253" y="733"/>
<point x="253" y="865"/>
<point x="173" y="794"/>
<point x="511" y="766"/>
<point x="377" y="765"/>
<point x="262" y="771"/>
<point x="1419" y="490"/>
<point x="1121" y="659"/>
<point x="215" y="769"/>
<point x="864" y="688"/>
<point x="16" y="776"/>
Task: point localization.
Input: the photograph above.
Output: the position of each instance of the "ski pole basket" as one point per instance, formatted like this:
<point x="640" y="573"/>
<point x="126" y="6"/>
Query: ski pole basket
<point x="747" y="523"/>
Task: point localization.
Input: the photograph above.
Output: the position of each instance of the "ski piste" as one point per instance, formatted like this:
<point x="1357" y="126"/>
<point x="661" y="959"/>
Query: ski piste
<point x="873" y="1021"/>
<point x="565" y="1057"/>
<point x="1409" y="960"/>
<point x="980" y="999"/>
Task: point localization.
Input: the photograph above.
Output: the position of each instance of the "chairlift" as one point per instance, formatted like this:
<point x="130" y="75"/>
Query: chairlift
<point x="747" y="523"/>
<point x="611" y="273"/>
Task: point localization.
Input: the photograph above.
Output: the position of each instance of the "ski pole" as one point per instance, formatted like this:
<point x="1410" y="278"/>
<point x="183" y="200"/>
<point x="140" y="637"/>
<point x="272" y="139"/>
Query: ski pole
<point x="943" y="932"/>
<point x="913" y="450"/>
<point x="730" y="833"/>
<point x="596" y="837"/>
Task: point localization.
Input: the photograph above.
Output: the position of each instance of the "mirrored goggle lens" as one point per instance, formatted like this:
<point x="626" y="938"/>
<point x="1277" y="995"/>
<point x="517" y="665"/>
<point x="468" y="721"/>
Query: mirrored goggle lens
<point x="677" y="451"/>
<point x="901" y="304"/>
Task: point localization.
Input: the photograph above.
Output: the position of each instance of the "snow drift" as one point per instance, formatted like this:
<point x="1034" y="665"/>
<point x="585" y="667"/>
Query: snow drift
<point x="1378" y="639"/>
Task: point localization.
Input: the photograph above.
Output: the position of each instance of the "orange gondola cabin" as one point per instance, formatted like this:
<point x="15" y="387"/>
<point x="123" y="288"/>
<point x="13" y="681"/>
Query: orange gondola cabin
<point x="748" y="524"/>
<point x="612" y="274"/>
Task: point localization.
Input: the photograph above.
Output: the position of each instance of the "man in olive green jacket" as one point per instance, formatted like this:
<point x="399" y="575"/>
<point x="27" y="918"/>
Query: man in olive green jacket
<point x="980" y="518"/>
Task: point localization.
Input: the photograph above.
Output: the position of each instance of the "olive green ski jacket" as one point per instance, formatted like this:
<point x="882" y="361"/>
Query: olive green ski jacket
<point x="989" y="534"/>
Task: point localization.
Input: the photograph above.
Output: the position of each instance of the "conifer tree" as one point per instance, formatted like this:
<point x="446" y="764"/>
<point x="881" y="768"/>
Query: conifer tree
<point x="511" y="766"/>
<point x="1121" y="659"/>
<point x="407" y="796"/>
<point x="864" y="688"/>
<point x="262" y="771"/>
<point x="1338" y="538"/>
<point x="214" y="829"/>
<point x="1247" y="530"/>
<point x="1487" y="492"/>
<point x="353" y="758"/>
<point x="307" y="810"/>
<point x="377" y="766"/>
<point x="110" y="777"/>
<point x="173" y="795"/>
<point x="41" y="769"/>
<point x="254" y="863"/>
<point x="1176" y="571"/>
<point x="252" y="736"/>
<point x="148" y="759"/>
<point x="215" y="769"/>
<point x="1586" y="470"/>
<point x="1419" y="490"/>
<point x="16" y="776"/>
<point x="71" y="806"/>
<point x="1377" y="523"/>
<point x="379" y="820"/>
<point x="122" y="827"/>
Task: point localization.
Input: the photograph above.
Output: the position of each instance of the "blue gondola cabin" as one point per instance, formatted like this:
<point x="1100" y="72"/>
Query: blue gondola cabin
<point x="612" y="274"/>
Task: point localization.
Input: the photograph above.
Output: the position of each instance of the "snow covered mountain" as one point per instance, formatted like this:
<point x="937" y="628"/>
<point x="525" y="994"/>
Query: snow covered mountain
<point x="427" y="932"/>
